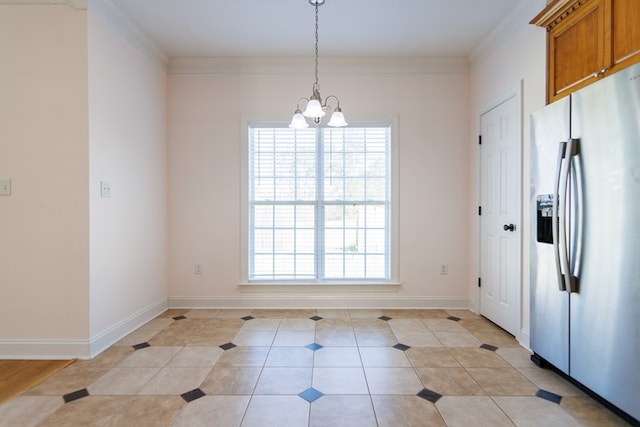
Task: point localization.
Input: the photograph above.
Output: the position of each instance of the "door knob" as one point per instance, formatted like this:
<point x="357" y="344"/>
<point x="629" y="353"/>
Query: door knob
<point x="509" y="227"/>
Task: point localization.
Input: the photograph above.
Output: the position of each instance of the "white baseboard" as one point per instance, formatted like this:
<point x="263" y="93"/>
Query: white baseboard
<point x="115" y="333"/>
<point x="79" y="348"/>
<point x="525" y="339"/>
<point x="353" y="302"/>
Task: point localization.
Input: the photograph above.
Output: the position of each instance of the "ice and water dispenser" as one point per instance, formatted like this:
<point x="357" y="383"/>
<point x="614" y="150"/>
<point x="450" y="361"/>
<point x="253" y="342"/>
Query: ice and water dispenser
<point x="544" y="221"/>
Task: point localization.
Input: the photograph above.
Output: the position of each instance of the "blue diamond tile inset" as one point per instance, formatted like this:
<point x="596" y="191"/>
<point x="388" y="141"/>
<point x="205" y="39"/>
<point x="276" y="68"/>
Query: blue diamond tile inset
<point x="429" y="395"/>
<point x="401" y="347"/>
<point x="316" y="318"/>
<point x="454" y="318"/>
<point x="228" y="346"/>
<point x="385" y="318"/>
<point x="314" y="346"/>
<point x="489" y="347"/>
<point x="79" y="394"/>
<point x="192" y="395"/>
<point x="547" y="395"/>
<point x="311" y="394"/>
<point x="141" y="346"/>
<point x="179" y="318"/>
<point x="247" y="318"/>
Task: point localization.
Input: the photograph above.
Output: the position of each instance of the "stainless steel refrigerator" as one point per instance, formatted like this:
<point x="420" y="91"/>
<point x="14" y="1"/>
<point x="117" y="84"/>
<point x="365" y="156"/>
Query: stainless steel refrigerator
<point x="585" y="245"/>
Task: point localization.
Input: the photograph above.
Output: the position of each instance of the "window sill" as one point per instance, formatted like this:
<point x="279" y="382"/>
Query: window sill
<point x="318" y="288"/>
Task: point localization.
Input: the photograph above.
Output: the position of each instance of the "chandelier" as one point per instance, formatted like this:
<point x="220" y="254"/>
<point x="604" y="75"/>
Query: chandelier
<point x="315" y="108"/>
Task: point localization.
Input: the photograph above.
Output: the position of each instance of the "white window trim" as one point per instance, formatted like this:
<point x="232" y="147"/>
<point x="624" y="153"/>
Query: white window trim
<point x="364" y="285"/>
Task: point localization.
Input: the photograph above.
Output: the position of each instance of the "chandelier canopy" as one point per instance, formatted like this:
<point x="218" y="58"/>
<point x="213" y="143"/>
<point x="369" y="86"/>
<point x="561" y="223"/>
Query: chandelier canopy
<point x="315" y="108"/>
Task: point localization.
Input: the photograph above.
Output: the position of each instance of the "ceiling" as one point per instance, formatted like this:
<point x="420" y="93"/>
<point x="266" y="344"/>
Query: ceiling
<point x="250" y="28"/>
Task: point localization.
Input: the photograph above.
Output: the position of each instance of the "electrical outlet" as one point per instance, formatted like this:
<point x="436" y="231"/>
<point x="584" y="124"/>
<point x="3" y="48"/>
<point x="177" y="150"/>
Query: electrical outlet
<point x="444" y="269"/>
<point x="5" y="187"/>
<point x="197" y="269"/>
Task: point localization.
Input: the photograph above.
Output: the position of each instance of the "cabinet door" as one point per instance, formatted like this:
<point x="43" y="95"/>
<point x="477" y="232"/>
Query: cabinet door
<point x="576" y="49"/>
<point x="625" y="33"/>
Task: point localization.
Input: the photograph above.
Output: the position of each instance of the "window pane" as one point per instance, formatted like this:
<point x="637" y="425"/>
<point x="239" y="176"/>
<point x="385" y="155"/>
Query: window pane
<point x="375" y="241"/>
<point x="376" y="189"/>
<point x="264" y="189"/>
<point x="305" y="241"/>
<point x="376" y="216"/>
<point x="284" y="265"/>
<point x="334" y="240"/>
<point x="263" y="265"/>
<point x="284" y="241"/>
<point x="263" y="216"/>
<point x="305" y="265"/>
<point x="284" y="216"/>
<point x="354" y="189"/>
<point x="376" y="266"/>
<point x="334" y="265"/>
<point x="263" y="240"/>
<point x="334" y="189"/>
<point x="354" y="266"/>
<point x="305" y="216"/>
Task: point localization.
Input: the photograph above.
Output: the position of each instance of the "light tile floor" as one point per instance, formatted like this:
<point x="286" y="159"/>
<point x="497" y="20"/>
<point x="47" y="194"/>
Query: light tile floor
<point x="309" y="368"/>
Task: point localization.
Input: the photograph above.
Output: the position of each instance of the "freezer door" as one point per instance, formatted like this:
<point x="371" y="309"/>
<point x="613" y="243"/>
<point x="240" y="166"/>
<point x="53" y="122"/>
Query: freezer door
<point x="605" y="312"/>
<point x="549" y="305"/>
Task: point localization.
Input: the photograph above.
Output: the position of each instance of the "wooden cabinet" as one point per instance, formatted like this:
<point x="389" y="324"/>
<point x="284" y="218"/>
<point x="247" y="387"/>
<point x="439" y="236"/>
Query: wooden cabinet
<point x="587" y="40"/>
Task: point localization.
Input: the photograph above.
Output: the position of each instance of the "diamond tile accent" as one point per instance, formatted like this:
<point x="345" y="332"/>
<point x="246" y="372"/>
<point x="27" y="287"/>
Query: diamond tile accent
<point x="228" y="346"/>
<point x="385" y="318"/>
<point x="314" y="346"/>
<point x="79" y="394"/>
<point x="316" y="318"/>
<point x="489" y="347"/>
<point x="245" y="318"/>
<point x="179" y="318"/>
<point x="192" y="395"/>
<point x="454" y="318"/>
<point x="311" y="394"/>
<point x="547" y="395"/>
<point x="401" y="347"/>
<point x="429" y="395"/>
<point x="141" y="346"/>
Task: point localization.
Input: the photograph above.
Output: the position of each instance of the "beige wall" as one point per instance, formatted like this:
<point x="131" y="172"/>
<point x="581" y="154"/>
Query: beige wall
<point x="205" y="181"/>
<point x="518" y="62"/>
<point x="80" y="105"/>
<point x="127" y="122"/>
<point x="44" y="224"/>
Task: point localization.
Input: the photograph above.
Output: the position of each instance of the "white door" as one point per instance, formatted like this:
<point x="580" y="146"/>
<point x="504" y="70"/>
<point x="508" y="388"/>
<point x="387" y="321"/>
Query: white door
<point x="500" y="228"/>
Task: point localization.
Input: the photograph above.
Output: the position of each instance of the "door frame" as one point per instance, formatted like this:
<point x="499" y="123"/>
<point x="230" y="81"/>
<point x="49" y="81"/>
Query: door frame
<point x="515" y="91"/>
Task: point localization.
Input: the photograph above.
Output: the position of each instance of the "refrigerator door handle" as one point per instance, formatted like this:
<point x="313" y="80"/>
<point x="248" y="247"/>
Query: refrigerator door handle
<point x="556" y="216"/>
<point x="575" y="223"/>
<point x="569" y="281"/>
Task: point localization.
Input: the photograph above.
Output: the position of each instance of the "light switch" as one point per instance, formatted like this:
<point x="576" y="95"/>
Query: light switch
<point x="5" y="187"/>
<point x="105" y="189"/>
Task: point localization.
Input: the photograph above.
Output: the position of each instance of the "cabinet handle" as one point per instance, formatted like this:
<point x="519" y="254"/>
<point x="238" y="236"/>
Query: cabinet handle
<point x="602" y="71"/>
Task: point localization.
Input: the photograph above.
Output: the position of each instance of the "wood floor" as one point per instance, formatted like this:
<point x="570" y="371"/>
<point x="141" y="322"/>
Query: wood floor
<point x="17" y="376"/>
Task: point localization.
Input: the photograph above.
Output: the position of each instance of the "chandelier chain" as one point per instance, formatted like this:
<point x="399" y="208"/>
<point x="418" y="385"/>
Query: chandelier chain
<point x="316" y="85"/>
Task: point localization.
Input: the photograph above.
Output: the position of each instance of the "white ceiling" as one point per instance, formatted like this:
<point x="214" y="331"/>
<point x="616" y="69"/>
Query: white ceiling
<point x="249" y="28"/>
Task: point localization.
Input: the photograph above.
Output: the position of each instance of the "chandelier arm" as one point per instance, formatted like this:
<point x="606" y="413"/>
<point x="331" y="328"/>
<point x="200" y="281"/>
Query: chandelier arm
<point x="326" y="102"/>
<point x="304" y="98"/>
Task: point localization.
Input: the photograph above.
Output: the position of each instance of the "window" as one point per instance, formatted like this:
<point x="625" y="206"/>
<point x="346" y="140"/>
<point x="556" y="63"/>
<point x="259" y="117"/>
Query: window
<point x="319" y="204"/>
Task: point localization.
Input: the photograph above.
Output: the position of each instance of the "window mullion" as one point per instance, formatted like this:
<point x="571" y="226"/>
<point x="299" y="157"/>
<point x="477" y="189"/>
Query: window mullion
<point x="320" y="208"/>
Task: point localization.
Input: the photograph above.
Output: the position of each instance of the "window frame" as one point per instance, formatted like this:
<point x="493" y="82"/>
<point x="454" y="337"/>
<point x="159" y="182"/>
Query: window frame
<point x="351" y="284"/>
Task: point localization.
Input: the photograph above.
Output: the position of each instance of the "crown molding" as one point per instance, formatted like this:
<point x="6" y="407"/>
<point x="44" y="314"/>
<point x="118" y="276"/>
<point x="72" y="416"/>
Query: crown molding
<point x="329" y="65"/>
<point x="76" y="4"/>
<point x="115" y="18"/>
<point x="512" y="23"/>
